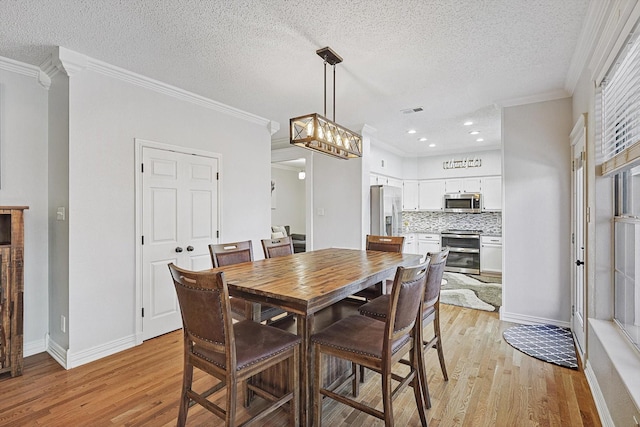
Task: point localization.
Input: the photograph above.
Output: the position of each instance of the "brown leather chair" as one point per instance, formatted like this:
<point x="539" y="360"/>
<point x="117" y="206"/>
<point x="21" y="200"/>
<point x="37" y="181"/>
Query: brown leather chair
<point x="378" y="346"/>
<point x="223" y="254"/>
<point x="230" y="352"/>
<point x="378" y="309"/>
<point x="281" y="246"/>
<point x="384" y="244"/>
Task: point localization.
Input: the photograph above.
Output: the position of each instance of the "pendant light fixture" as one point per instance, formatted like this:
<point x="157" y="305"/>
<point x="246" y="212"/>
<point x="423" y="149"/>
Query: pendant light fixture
<point x="317" y="132"/>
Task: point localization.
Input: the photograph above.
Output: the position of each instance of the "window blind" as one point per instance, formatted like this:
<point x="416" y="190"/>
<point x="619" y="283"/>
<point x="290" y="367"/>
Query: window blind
<point x="621" y="110"/>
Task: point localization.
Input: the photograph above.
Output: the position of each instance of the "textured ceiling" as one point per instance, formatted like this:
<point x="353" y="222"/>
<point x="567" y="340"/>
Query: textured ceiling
<point x="453" y="58"/>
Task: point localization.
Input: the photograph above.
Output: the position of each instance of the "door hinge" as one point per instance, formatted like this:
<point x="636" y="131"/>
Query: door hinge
<point x="573" y="165"/>
<point x="217" y="176"/>
<point x="573" y="310"/>
<point x="143" y="240"/>
<point x="217" y="234"/>
<point x="142" y="167"/>
<point x="588" y="214"/>
<point x="573" y="238"/>
<point x="142" y="311"/>
<point x="583" y="155"/>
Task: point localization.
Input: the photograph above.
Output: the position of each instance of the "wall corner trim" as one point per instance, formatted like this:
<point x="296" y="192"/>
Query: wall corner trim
<point x="26" y="70"/>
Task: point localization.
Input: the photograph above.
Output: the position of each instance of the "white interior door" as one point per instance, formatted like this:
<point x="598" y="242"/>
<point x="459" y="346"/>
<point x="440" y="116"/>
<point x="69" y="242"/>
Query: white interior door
<point x="578" y="219"/>
<point x="179" y="221"/>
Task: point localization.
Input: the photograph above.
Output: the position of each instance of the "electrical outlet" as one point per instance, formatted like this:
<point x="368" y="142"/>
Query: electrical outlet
<point x="63" y="323"/>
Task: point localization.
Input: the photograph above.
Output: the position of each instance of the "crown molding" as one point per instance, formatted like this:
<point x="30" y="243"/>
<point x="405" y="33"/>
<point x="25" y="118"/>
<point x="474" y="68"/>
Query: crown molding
<point x="587" y="41"/>
<point x="532" y="99"/>
<point x="71" y="63"/>
<point x="25" y="70"/>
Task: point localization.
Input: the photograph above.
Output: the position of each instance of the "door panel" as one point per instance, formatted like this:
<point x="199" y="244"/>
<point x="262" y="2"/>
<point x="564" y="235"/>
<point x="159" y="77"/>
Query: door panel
<point x="179" y="221"/>
<point x="578" y="223"/>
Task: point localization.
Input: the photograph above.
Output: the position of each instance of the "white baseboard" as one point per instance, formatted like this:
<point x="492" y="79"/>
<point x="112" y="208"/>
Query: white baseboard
<point x="75" y="359"/>
<point x="598" y="397"/>
<point x="34" y="347"/>
<point x="530" y="320"/>
<point x="56" y="351"/>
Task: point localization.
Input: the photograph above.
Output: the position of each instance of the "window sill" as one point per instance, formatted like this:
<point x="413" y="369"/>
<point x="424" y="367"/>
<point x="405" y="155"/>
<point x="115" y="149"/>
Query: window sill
<point x="624" y="357"/>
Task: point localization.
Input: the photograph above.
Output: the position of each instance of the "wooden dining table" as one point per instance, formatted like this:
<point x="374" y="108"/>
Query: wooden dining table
<point x="307" y="282"/>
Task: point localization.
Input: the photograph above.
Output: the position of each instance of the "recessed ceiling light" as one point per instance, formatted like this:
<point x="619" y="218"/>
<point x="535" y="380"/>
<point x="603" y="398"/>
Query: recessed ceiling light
<point x="468" y="123"/>
<point x="480" y="139"/>
<point x="432" y="145"/>
<point x="423" y="139"/>
<point x="474" y="132"/>
<point x="411" y="131"/>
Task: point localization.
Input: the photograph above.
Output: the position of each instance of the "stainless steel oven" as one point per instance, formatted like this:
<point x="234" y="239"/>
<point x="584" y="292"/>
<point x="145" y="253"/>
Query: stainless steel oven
<point x="464" y="250"/>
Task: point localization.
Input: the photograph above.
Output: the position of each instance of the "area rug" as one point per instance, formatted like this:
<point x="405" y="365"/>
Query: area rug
<point x="478" y="292"/>
<point x="545" y="342"/>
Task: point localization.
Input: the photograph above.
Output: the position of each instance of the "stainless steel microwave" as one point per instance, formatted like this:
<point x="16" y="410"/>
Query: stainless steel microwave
<point x="463" y="202"/>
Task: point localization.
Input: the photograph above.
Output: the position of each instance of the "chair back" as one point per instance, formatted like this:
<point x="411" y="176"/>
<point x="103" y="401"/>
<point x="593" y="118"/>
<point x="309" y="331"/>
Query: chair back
<point x="206" y="313"/>
<point x="438" y="260"/>
<point x="405" y="300"/>
<point x="231" y="253"/>
<point x="281" y="246"/>
<point x="385" y="243"/>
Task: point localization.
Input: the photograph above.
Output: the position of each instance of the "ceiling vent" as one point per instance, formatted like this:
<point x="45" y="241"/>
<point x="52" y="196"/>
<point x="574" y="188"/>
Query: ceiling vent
<point x="411" y="110"/>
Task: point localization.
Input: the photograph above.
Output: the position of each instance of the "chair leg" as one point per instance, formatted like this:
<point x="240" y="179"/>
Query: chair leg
<point x="418" y="393"/>
<point x="232" y="392"/>
<point x="386" y="397"/>
<point x="422" y="373"/>
<point x="436" y="331"/>
<point x="361" y="374"/>
<point x="187" y="379"/>
<point x="355" y="384"/>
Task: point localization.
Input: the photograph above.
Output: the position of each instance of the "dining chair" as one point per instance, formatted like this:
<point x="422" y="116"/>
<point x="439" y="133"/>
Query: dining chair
<point x="281" y="246"/>
<point x="378" y="309"/>
<point x="378" y="346"/>
<point x="223" y="254"/>
<point x="383" y="244"/>
<point x="230" y="352"/>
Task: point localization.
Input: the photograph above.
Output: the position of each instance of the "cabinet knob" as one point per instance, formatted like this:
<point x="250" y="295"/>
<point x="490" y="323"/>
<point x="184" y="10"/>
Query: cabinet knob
<point x="189" y="248"/>
<point x="178" y="249"/>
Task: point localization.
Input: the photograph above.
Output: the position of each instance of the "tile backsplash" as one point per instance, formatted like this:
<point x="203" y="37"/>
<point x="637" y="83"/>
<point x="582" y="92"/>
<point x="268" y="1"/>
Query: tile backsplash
<point x="488" y="222"/>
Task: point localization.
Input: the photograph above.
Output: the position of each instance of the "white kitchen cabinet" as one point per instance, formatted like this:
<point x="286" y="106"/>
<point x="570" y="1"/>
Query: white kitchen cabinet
<point x="492" y="193"/>
<point x="373" y="179"/>
<point x="428" y="242"/>
<point x="410" y="243"/>
<point x="393" y="182"/>
<point x="410" y="196"/>
<point x="430" y="193"/>
<point x="463" y="185"/>
<point x="491" y="254"/>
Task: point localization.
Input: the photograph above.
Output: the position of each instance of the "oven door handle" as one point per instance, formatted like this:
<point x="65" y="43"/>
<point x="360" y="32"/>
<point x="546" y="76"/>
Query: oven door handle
<point x="461" y="236"/>
<point x="465" y="250"/>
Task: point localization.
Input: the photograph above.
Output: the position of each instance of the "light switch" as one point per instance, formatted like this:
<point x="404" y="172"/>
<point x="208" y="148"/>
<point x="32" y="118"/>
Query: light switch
<point x="61" y="214"/>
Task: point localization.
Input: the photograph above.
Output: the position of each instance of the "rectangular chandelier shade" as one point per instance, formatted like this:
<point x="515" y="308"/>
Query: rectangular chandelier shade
<point x="318" y="133"/>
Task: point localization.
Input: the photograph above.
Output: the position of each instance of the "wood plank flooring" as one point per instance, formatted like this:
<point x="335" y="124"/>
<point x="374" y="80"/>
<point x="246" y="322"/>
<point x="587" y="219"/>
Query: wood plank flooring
<point x="490" y="384"/>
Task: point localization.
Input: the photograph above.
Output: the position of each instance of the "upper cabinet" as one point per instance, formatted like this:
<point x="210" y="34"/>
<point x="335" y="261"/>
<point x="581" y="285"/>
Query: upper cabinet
<point x="375" y="179"/>
<point x="463" y="185"/>
<point x="430" y="194"/>
<point x="492" y="193"/>
<point x="410" y="196"/>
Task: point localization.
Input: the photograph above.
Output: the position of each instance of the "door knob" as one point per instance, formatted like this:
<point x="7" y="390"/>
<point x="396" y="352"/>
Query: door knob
<point x="579" y="263"/>
<point x="189" y="248"/>
<point x="178" y="249"/>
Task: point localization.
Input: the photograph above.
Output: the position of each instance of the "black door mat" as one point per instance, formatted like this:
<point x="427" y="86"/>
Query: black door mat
<point x="545" y="342"/>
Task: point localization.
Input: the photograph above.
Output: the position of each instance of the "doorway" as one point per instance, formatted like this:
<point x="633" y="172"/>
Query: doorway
<point x="578" y="235"/>
<point x="176" y="219"/>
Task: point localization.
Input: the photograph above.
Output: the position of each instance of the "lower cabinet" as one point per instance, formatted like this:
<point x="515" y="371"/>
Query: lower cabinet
<point x="410" y="243"/>
<point x="428" y="242"/>
<point x="491" y="254"/>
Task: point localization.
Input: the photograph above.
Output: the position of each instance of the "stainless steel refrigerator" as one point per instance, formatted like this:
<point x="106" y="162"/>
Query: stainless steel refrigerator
<point x="386" y="210"/>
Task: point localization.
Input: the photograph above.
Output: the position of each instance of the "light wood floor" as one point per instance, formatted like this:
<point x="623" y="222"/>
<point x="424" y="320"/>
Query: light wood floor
<point x="490" y="384"/>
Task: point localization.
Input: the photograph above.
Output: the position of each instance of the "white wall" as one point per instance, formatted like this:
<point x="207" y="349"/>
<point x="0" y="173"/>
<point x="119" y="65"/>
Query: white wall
<point x="290" y="200"/>
<point x="105" y="115"/>
<point x="338" y="194"/>
<point x="23" y="182"/>
<point x="536" y="212"/>
<point x="384" y="162"/>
